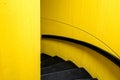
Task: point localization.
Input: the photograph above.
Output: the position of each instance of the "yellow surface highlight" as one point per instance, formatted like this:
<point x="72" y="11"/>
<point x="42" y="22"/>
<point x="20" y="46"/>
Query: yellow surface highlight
<point x="98" y="17"/>
<point x="19" y="39"/>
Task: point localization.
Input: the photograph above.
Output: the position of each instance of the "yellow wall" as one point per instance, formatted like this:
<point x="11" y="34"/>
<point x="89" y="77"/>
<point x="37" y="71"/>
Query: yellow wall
<point x="98" y="17"/>
<point x="19" y="39"/>
<point x="92" y="21"/>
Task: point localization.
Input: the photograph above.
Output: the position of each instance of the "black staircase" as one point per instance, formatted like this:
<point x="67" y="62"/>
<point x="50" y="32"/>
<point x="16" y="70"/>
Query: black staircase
<point x="55" y="68"/>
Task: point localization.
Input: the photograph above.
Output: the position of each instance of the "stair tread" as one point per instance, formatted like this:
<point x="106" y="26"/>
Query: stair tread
<point x="58" y="67"/>
<point x="51" y="61"/>
<point x="88" y="79"/>
<point x="71" y="74"/>
<point x="44" y="56"/>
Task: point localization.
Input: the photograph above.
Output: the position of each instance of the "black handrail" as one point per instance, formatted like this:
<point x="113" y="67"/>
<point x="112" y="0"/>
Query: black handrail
<point x="106" y="54"/>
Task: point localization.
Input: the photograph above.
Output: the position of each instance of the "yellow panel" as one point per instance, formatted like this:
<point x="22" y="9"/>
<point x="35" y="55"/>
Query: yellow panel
<point x="19" y="39"/>
<point x="98" y="17"/>
<point x="97" y="65"/>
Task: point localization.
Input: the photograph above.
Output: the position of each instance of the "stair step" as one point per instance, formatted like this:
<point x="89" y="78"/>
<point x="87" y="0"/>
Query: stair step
<point x="71" y="74"/>
<point x="58" y="67"/>
<point x="88" y="79"/>
<point x="44" y="56"/>
<point x="51" y="61"/>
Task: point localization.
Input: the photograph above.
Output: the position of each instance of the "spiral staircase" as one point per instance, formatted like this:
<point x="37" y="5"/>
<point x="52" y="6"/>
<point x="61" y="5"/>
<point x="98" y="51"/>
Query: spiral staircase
<point x="55" y="68"/>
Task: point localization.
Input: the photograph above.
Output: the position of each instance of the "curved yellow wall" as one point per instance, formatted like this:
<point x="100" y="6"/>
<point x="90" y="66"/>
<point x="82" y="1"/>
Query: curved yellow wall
<point x="92" y="21"/>
<point x="19" y="39"/>
<point x="98" y="17"/>
<point x="97" y="65"/>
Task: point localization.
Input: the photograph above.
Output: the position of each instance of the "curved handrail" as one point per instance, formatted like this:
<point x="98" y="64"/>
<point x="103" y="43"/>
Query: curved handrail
<point x="106" y="54"/>
<point x="84" y="32"/>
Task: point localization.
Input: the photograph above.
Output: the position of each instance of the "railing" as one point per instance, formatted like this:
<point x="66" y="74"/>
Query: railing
<point x="106" y="54"/>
